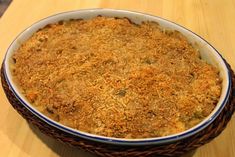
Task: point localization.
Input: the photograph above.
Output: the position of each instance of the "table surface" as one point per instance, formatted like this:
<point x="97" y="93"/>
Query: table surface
<point x="211" y="19"/>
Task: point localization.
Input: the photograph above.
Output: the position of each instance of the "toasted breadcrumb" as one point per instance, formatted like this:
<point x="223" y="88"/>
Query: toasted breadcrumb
<point x="110" y="77"/>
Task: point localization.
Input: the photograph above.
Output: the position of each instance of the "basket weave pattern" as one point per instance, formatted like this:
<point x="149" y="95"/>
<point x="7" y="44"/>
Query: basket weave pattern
<point x="172" y="149"/>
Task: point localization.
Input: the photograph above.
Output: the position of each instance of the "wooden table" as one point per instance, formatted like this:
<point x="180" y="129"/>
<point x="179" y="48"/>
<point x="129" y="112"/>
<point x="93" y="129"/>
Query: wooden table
<point x="212" y="19"/>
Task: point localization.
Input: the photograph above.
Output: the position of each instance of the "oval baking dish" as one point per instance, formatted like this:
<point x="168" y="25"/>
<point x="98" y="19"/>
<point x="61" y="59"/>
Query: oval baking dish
<point x="199" y="134"/>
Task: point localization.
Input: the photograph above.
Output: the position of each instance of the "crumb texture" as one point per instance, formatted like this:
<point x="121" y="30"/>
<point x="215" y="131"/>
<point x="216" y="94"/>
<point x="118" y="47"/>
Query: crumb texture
<point x="111" y="77"/>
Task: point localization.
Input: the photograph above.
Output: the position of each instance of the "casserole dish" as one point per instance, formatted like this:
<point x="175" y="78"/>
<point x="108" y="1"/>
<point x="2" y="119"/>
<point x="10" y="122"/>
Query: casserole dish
<point x="171" y="145"/>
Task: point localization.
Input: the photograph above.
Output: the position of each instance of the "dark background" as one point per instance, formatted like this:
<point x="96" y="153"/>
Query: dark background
<point x="3" y="6"/>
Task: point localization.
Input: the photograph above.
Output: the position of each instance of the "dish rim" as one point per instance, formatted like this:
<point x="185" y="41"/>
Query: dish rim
<point x="105" y="139"/>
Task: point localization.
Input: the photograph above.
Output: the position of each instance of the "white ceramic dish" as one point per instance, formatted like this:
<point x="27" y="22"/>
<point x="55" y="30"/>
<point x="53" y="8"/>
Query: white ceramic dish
<point x="208" y="53"/>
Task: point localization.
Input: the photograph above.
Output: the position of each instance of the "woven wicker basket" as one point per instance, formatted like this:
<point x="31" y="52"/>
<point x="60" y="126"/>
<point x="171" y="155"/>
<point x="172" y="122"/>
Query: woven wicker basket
<point x="172" y="149"/>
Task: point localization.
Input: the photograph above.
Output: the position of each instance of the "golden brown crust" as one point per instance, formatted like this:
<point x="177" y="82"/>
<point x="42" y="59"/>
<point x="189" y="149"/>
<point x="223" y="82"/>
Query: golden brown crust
<point x="110" y="77"/>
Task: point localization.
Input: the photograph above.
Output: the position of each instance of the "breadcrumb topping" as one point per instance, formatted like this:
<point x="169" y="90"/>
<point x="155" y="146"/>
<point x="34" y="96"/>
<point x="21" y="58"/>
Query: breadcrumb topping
<point x="110" y="77"/>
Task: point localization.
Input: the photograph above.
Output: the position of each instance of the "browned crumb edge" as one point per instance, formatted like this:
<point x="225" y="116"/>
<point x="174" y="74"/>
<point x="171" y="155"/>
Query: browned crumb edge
<point x="110" y="77"/>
